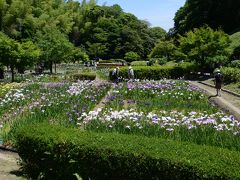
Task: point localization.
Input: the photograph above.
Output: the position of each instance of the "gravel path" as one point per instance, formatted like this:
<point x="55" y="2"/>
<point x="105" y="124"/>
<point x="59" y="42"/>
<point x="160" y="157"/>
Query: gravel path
<point x="9" y="169"/>
<point x="227" y="102"/>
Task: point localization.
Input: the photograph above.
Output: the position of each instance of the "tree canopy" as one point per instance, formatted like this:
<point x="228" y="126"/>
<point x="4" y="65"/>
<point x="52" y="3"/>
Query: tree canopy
<point x="102" y="31"/>
<point x="204" y="46"/>
<point x="223" y="14"/>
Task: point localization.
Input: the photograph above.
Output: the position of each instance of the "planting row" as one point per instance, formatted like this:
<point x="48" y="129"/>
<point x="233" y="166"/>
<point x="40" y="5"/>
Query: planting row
<point x="59" y="103"/>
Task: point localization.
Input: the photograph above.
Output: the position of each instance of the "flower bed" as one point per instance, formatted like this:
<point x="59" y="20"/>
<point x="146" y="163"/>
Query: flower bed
<point x="163" y="109"/>
<point x="59" y="103"/>
<point x="169" y="109"/>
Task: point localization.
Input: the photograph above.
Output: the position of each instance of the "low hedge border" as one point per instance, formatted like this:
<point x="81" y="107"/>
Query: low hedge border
<point x="156" y="72"/>
<point x="55" y="152"/>
<point x="83" y="76"/>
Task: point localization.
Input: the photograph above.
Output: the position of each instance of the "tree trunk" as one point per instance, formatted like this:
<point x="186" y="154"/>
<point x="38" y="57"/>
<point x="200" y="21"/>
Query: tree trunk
<point x="1" y="73"/>
<point x="50" y="67"/>
<point x="21" y="70"/>
<point x="55" y="67"/>
<point x="12" y="72"/>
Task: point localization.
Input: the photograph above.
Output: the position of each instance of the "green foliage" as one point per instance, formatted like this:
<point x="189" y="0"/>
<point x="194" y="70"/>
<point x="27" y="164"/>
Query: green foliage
<point x="231" y="74"/>
<point x="131" y="56"/>
<point x="54" y="45"/>
<point x="164" y="49"/>
<point x="235" y="40"/>
<point x="235" y="64"/>
<point x="158" y="72"/>
<point x="58" y="153"/>
<point x="206" y="47"/>
<point x="83" y="76"/>
<point x="107" y="61"/>
<point x="139" y="63"/>
<point x="216" y="14"/>
<point x="78" y="55"/>
<point x="9" y="50"/>
<point x="99" y="31"/>
<point x="158" y="61"/>
<point x="235" y="45"/>
<point x="157" y="33"/>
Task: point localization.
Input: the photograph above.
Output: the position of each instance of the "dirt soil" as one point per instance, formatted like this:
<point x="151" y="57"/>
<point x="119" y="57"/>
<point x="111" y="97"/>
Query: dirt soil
<point x="227" y="102"/>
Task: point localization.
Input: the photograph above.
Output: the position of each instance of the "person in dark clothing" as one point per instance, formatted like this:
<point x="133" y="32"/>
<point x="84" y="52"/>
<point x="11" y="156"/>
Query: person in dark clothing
<point x="218" y="81"/>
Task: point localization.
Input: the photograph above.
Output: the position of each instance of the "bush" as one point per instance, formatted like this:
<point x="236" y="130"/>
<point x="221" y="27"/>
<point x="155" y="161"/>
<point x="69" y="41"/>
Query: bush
<point x="235" y="64"/>
<point x="160" y="61"/>
<point x="139" y="63"/>
<point x="56" y="152"/>
<point x="157" y="72"/>
<point x="107" y="61"/>
<point x="231" y="75"/>
<point x="83" y="76"/>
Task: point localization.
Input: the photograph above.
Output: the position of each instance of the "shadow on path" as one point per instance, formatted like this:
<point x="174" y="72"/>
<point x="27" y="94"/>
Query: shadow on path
<point x="209" y="97"/>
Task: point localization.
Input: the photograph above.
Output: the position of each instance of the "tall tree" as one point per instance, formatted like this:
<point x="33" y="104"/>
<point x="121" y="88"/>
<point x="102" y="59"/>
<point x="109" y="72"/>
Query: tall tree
<point x="9" y="52"/>
<point x="55" y="46"/>
<point x="196" y="13"/>
<point x="163" y="49"/>
<point x="206" y="47"/>
<point x="28" y="55"/>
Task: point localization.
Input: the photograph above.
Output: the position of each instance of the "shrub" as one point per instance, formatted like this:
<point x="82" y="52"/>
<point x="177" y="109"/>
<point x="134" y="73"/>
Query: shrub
<point x="56" y="152"/>
<point x="83" y="76"/>
<point x="131" y="56"/>
<point x="235" y="64"/>
<point x="157" y="61"/>
<point x="107" y="61"/>
<point x="139" y="63"/>
<point x="231" y="75"/>
<point x="157" y="72"/>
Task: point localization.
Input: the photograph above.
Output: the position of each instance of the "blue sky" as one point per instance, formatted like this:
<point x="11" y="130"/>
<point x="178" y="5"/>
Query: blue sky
<point x="157" y="12"/>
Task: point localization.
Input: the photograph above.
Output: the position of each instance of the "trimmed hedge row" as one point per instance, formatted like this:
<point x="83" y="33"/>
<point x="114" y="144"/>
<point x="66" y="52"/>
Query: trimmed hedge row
<point x="55" y="152"/>
<point x="157" y="72"/>
<point x="83" y="76"/>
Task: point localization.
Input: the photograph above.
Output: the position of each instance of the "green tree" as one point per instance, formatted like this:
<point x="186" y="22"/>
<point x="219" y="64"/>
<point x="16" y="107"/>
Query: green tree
<point x="196" y="13"/>
<point x="96" y="49"/>
<point x="131" y="56"/>
<point x="29" y="55"/>
<point x="206" y="47"/>
<point x="55" y="46"/>
<point x="163" y="49"/>
<point x="78" y="55"/>
<point x="9" y="52"/>
<point x="235" y="46"/>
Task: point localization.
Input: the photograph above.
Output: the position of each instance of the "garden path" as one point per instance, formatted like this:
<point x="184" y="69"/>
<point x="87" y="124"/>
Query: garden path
<point x="228" y="102"/>
<point x="9" y="169"/>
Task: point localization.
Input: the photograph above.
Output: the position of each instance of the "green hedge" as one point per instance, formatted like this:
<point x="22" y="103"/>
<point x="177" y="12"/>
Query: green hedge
<point x="139" y="63"/>
<point x="158" y="72"/>
<point x="83" y="76"/>
<point x="231" y="75"/>
<point x="55" y="152"/>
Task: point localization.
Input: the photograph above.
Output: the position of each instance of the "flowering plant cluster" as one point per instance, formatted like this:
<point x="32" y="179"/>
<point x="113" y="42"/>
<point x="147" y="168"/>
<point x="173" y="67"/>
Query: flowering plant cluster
<point x="55" y="102"/>
<point x="4" y="88"/>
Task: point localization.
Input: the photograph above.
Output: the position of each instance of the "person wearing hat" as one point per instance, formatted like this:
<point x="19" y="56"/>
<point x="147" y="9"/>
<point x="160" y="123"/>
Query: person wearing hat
<point x="130" y="73"/>
<point x="115" y="75"/>
<point x="218" y="79"/>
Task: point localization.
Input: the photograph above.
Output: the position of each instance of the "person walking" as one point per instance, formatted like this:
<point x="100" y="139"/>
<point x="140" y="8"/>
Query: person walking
<point x="218" y="81"/>
<point x="115" y="75"/>
<point x="130" y="73"/>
